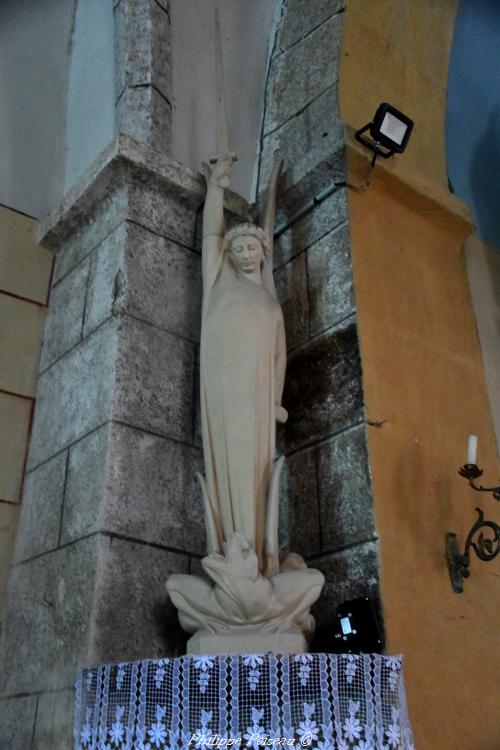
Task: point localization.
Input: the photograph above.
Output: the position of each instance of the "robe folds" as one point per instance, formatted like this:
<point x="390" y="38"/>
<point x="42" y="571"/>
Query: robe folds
<point x="242" y="367"/>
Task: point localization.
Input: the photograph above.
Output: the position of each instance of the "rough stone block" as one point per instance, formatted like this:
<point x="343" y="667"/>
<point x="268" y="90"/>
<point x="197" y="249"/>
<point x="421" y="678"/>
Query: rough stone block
<point x="159" y="52"/>
<point x="17" y="717"/>
<point x="54" y="721"/>
<point x="313" y="137"/>
<point x="303" y="16"/>
<point x="120" y="39"/>
<point x="154" y="373"/>
<point x="323" y="392"/>
<point x="47" y="615"/>
<point x="64" y="321"/>
<point x="85" y="485"/>
<point x="145" y="115"/>
<point x="104" y="279"/>
<point x="132" y="617"/>
<point x="163" y="214"/>
<point x="311" y="227"/>
<point x="329" y="273"/>
<point x="302" y="73"/>
<point x="324" y="177"/>
<point x="74" y="395"/>
<point x="303" y="510"/>
<point x="42" y="505"/>
<point x="107" y="215"/>
<point x="161" y="283"/>
<point x="291" y="287"/>
<point x="152" y="492"/>
<point x="349" y="574"/>
<point x="195" y="567"/>
<point x="99" y="599"/>
<point x="345" y="490"/>
<point x="142" y="46"/>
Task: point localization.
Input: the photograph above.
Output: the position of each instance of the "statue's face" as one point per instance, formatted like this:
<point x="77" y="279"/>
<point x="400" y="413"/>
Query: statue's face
<point x="246" y="253"/>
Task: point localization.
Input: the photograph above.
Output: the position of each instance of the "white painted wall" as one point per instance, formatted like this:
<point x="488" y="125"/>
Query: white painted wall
<point x="34" y="55"/>
<point x="483" y="267"/>
<point x="247" y="28"/>
<point x="91" y="95"/>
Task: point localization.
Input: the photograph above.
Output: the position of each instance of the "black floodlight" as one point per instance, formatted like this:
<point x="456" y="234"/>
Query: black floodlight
<point x="390" y="132"/>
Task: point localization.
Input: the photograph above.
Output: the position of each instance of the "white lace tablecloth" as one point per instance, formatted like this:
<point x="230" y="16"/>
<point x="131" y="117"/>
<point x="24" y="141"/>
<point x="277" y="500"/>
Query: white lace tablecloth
<point x="320" y="701"/>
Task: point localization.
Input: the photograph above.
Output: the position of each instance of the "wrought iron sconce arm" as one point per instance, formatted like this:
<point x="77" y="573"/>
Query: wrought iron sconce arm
<point x="485" y="547"/>
<point x="471" y="472"/>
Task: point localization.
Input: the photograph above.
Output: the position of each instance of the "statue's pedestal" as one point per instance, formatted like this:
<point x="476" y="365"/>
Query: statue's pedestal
<point x="327" y="701"/>
<point x="246" y="641"/>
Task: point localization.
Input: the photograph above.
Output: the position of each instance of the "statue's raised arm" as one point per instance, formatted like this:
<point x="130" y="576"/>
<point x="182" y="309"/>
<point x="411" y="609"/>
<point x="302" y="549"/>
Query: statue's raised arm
<point x="218" y="178"/>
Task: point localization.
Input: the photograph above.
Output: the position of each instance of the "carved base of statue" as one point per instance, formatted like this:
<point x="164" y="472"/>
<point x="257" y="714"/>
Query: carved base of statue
<point x="247" y="641"/>
<point x="239" y="610"/>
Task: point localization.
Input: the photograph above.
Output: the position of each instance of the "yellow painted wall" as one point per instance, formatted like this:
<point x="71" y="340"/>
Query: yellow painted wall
<point x="25" y="270"/>
<point x="423" y="375"/>
<point x="424" y="382"/>
<point x="398" y="51"/>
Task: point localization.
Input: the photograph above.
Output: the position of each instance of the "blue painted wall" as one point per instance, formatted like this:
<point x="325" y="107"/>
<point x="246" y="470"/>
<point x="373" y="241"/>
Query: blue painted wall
<point x="34" y="62"/>
<point x="91" y="94"/>
<point x="473" y="114"/>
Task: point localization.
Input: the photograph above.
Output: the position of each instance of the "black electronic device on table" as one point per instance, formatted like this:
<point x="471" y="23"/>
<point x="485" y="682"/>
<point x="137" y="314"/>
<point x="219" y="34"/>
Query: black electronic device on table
<point x="355" y="630"/>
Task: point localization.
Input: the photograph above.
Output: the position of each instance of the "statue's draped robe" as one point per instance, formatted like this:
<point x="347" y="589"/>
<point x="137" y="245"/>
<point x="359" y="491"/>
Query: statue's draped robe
<point x="242" y="368"/>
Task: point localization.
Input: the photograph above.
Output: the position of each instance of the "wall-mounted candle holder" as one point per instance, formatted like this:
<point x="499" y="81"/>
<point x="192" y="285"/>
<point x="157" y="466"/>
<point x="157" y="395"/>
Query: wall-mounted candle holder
<point x="483" y="538"/>
<point x="471" y="472"/>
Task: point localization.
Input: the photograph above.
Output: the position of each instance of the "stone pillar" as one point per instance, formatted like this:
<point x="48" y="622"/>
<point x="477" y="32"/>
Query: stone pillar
<point x="111" y="506"/>
<point x="330" y="511"/>
<point x="110" y="503"/>
<point x="143" y="75"/>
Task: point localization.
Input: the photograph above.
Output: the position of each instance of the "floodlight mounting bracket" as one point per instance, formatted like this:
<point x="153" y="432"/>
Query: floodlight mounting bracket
<point x="375" y="146"/>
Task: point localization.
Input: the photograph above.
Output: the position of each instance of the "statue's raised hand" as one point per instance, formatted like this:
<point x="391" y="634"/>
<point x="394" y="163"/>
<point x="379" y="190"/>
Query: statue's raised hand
<point x="222" y="169"/>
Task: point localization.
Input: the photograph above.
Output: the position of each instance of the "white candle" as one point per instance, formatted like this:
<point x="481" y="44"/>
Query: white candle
<point x="472" y="449"/>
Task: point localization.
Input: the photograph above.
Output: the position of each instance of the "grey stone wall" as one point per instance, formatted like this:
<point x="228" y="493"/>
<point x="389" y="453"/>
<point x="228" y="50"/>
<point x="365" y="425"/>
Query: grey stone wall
<point x="111" y="507"/>
<point x="330" y="514"/>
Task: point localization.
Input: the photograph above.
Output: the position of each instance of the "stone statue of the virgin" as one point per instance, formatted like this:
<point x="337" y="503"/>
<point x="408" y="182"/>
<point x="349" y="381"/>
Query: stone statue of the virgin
<point x="251" y="600"/>
<point x="242" y="371"/>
